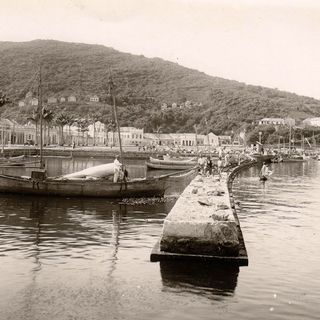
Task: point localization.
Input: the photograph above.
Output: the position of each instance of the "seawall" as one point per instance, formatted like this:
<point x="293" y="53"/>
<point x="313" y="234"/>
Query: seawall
<point x="203" y="224"/>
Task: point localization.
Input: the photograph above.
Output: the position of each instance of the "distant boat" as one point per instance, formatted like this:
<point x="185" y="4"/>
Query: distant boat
<point x="262" y="157"/>
<point x="294" y="158"/>
<point x="18" y="161"/>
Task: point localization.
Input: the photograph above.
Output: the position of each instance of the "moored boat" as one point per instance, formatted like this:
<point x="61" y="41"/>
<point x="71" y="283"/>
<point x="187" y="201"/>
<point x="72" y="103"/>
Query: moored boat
<point x="154" y="163"/>
<point x="38" y="184"/>
<point x="162" y="166"/>
<point x="262" y="157"/>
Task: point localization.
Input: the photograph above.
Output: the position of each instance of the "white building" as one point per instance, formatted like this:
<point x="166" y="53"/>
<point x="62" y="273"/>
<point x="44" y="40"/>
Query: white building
<point x="94" y="98"/>
<point x="72" y="99"/>
<point x="21" y="103"/>
<point x="181" y="140"/>
<point x="34" y="102"/>
<point x="278" y="121"/>
<point x="97" y="133"/>
<point x="129" y="136"/>
<point x="52" y="100"/>
<point x="314" y="122"/>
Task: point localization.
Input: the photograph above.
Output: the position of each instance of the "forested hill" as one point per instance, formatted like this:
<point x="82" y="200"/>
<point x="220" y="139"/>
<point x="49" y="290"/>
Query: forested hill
<point x="144" y="84"/>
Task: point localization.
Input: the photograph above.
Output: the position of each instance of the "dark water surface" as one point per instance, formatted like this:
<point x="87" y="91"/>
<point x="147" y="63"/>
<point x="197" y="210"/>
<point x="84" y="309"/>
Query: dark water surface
<point x="89" y="258"/>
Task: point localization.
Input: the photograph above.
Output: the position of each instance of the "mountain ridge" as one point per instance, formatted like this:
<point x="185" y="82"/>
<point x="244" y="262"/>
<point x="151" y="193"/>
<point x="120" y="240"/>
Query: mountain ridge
<point x="217" y="104"/>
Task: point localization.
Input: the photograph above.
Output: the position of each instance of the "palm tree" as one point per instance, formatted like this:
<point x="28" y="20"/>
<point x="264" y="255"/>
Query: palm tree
<point x="47" y="116"/>
<point x="61" y="119"/>
<point x="94" y="117"/>
<point x="70" y="120"/>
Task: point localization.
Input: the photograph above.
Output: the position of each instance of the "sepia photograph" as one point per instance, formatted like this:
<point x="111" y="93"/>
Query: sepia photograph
<point x="159" y="159"/>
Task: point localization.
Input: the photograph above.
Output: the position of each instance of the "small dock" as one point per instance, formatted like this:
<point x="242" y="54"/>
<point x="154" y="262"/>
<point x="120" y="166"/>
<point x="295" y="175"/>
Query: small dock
<point x="203" y="224"/>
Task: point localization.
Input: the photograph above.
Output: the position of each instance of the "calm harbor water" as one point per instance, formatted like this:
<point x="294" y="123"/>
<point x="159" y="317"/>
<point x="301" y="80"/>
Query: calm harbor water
<point x="64" y="258"/>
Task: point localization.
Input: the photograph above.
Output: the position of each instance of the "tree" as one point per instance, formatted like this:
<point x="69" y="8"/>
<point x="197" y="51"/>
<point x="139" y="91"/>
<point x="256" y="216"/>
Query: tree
<point x="48" y="117"/>
<point x="61" y="119"/>
<point x="3" y="99"/>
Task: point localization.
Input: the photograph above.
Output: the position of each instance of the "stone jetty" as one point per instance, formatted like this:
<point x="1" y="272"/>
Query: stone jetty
<point x="203" y="224"/>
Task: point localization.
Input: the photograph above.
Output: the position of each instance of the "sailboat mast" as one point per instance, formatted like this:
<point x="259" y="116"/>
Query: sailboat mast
<point x="111" y="91"/>
<point x="40" y="118"/>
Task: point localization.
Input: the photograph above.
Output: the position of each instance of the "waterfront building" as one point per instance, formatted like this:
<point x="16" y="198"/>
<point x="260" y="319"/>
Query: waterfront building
<point x="181" y="140"/>
<point x="130" y="136"/>
<point x="97" y="131"/>
<point x="225" y="140"/>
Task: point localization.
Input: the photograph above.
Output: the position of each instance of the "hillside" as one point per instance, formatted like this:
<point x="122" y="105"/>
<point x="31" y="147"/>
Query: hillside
<point x="142" y="85"/>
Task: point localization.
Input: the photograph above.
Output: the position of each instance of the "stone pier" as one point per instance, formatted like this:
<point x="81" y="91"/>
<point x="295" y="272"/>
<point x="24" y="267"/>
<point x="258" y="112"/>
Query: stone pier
<point x="203" y="224"/>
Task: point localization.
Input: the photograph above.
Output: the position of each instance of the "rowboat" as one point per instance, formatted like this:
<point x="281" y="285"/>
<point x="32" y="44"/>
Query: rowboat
<point x="154" y="163"/>
<point x="172" y="161"/>
<point x="38" y="184"/>
<point x="18" y="161"/>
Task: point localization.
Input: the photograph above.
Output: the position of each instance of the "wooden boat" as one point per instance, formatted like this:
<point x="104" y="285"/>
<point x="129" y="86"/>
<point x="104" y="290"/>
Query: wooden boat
<point x="38" y="184"/>
<point x="262" y="157"/>
<point x="154" y="163"/>
<point x="294" y="158"/>
<point x="18" y="161"/>
<point x="162" y="166"/>
<point x="172" y="161"/>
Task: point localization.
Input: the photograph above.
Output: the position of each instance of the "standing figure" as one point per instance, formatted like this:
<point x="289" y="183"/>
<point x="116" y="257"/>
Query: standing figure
<point x="117" y="169"/>
<point x="219" y="166"/>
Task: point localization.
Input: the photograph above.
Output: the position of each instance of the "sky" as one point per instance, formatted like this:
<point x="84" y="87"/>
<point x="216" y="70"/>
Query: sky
<point x="272" y="43"/>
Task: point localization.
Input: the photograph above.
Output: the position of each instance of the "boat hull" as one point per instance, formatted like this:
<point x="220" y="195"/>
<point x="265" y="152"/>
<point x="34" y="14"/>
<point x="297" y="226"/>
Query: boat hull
<point x="172" y="162"/>
<point x="84" y="187"/>
<point x="163" y="166"/>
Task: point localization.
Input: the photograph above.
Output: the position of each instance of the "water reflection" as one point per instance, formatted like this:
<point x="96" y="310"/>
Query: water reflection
<point x="214" y="281"/>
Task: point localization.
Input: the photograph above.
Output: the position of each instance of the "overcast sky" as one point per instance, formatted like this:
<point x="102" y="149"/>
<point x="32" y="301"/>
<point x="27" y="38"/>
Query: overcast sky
<point x="274" y="43"/>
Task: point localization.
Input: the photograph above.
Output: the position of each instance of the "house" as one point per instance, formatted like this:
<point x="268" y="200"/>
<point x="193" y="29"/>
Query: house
<point x="164" y="106"/>
<point x="34" y="102"/>
<point x="174" y="105"/>
<point x="52" y="100"/>
<point x="72" y="98"/>
<point x="277" y="121"/>
<point x="188" y="104"/>
<point x="62" y="99"/>
<point x="29" y="95"/>
<point x="212" y="139"/>
<point x="224" y="140"/>
<point x="94" y="98"/>
<point x="21" y="103"/>
<point x="314" y="122"/>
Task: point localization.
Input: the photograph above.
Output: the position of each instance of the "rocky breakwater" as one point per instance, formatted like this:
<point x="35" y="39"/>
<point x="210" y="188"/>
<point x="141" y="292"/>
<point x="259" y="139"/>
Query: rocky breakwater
<point x="202" y="221"/>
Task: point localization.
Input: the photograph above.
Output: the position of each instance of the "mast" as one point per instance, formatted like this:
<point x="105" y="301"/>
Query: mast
<point x="290" y="139"/>
<point x="40" y="117"/>
<point x="111" y="92"/>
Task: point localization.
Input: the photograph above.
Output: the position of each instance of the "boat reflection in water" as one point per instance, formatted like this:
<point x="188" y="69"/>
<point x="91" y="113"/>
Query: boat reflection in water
<point x="211" y="280"/>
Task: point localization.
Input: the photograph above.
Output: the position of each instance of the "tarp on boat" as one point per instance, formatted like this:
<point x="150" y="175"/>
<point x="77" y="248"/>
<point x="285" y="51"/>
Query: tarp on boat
<point x="101" y="171"/>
